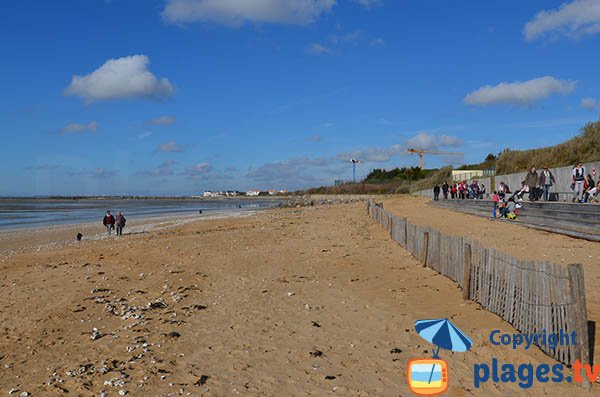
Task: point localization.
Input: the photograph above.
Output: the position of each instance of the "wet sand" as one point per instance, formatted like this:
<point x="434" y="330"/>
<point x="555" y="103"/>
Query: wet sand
<point x="288" y="302"/>
<point x="20" y="240"/>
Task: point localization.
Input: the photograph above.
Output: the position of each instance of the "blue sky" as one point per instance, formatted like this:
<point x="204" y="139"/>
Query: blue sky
<point x="181" y="96"/>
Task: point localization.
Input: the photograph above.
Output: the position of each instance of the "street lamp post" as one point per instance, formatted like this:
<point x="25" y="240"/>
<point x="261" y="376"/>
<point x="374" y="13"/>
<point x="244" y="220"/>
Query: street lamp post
<point x="354" y="162"/>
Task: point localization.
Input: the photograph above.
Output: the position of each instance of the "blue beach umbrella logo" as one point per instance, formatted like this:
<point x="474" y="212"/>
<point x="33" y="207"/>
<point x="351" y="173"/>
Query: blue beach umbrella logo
<point x="443" y="334"/>
<point x="428" y="377"/>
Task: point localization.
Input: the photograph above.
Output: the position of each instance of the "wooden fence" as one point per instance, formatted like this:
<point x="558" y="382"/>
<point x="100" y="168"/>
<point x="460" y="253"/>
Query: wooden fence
<point x="534" y="297"/>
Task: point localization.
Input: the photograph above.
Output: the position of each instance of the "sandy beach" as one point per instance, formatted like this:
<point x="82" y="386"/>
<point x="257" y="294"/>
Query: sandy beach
<point x="520" y="241"/>
<point x="309" y="301"/>
<point x="34" y="239"/>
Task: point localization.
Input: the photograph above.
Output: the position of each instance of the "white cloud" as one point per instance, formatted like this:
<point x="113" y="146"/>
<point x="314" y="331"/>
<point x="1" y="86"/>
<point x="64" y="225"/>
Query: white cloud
<point x="589" y="103"/>
<point x="373" y="154"/>
<point x="143" y="135"/>
<point x="575" y="19"/>
<point x="384" y="121"/>
<point x="99" y="173"/>
<point x="291" y="173"/>
<point x="378" y="42"/>
<point x="345" y="38"/>
<point x="520" y="92"/>
<point x="237" y="12"/>
<point x="126" y="77"/>
<point x="318" y="49"/>
<point x="76" y="128"/>
<point x="162" y="120"/>
<point x="42" y="167"/>
<point x="315" y="138"/>
<point x="200" y="170"/>
<point x="164" y="169"/>
<point x="449" y="140"/>
<point x="369" y="3"/>
<point x="426" y="141"/>
<point x="170" y="147"/>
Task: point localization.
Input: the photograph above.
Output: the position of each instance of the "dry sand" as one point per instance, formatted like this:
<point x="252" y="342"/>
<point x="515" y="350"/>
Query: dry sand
<point x="289" y="302"/>
<point x="522" y="242"/>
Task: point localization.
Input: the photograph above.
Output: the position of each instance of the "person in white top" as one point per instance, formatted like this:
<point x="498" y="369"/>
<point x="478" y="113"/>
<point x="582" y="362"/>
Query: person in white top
<point x="578" y="181"/>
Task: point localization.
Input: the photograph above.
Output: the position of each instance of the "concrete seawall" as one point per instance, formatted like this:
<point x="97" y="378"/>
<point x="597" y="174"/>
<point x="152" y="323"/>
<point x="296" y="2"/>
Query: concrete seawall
<point x="561" y="186"/>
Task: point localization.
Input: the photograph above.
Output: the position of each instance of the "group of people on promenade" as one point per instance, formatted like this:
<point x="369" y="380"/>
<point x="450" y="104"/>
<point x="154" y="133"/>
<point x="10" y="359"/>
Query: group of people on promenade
<point x="460" y="190"/>
<point x="111" y="222"/>
<point x="536" y="185"/>
<point x="584" y="186"/>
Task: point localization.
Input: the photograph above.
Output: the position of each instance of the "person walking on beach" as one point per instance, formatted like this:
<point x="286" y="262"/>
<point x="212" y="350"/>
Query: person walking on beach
<point x="109" y="222"/>
<point x="546" y="181"/>
<point x="445" y="188"/>
<point x="120" y="222"/>
<point x="531" y="181"/>
<point x="578" y="181"/>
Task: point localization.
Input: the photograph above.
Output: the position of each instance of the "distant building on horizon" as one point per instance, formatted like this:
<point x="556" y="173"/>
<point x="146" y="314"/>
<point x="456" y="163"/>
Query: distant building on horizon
<point x="465" y="175"/>
<point x="226" y="193"/>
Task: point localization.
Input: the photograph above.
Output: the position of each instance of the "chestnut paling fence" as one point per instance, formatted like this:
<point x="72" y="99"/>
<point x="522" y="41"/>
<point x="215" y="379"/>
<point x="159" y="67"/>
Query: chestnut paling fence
<point x="534" y="297"/>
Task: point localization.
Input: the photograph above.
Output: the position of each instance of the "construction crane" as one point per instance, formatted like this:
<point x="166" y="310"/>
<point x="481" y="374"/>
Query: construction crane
<point x="422" y="153"/>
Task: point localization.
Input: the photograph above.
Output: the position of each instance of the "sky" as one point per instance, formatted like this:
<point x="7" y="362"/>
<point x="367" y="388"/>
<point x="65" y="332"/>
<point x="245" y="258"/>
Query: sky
<point x="175" y="97"/>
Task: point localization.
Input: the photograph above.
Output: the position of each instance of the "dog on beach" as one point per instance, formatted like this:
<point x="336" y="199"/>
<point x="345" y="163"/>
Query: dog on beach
<point x="79" y="236"/>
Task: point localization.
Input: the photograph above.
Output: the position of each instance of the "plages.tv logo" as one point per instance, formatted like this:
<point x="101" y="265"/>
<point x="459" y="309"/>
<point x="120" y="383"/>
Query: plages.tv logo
<point x="429" y="376"/>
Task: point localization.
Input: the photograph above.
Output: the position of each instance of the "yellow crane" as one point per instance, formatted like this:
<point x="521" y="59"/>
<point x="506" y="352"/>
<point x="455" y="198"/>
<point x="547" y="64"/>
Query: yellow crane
<point x="422" y="153"/>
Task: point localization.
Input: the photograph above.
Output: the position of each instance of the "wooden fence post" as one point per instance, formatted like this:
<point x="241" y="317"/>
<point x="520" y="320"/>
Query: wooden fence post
<point x="425" y="248"/>
<point x="466" y="281"/>
<point x="579" y="316"/>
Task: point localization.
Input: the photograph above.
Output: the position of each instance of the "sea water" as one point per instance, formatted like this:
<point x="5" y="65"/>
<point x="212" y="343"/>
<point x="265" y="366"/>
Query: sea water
<point x="38" y="212"/>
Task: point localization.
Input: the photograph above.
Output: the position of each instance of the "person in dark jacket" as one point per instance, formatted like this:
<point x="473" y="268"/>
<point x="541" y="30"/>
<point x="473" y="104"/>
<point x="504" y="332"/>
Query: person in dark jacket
<point x="546" y="181"/>
<point x="120" y="222"/>
<point x="531" y="181"/>
<point x="109" y="222"/>
<point x="445" y="188"/>
<point x="436" y="193"/>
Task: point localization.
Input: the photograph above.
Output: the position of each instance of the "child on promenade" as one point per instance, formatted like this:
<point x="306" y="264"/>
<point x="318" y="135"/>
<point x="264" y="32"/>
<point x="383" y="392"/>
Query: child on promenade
<point x="496" y="201"/>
